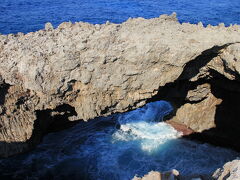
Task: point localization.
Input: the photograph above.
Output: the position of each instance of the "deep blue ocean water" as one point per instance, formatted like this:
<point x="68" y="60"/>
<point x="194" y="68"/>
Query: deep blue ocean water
<point x="116" y="148"/>
<point x="31" y="15"/>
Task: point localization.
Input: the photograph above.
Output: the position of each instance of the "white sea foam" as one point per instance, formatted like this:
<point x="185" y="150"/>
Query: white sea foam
<point x="149" y="135"/>
<point x="97" y="150"/>
<point x="143" y="125"/>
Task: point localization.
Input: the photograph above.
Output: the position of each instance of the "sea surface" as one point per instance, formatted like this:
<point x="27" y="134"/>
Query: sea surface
<point x="31" y="15"/>
<point x="117" y="147"/>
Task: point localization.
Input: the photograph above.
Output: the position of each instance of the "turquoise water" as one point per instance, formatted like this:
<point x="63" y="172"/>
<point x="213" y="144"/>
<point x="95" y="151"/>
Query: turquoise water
<point x="31" y="15"/>
<point x="117" y="148"/>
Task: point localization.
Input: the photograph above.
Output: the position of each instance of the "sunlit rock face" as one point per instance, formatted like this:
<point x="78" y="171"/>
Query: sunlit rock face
<point x="82" y="71"/>
<point x="154" y="175"/>
<point x="230" y="171"/>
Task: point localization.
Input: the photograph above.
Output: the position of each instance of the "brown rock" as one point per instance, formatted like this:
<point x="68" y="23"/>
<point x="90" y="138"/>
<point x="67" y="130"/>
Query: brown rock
<point x="199" y="116"/>
<point x="180" y="127"/>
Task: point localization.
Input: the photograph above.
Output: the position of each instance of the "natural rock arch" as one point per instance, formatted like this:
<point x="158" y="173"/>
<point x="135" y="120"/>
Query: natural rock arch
<point x="98" y="70"/>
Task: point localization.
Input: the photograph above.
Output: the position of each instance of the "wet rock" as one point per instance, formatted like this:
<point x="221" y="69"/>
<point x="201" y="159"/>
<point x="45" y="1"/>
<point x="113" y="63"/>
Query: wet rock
<point x="181" y="127"/>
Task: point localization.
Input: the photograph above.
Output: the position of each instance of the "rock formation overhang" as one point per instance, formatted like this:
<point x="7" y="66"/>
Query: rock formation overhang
<point x="81" y="71"/>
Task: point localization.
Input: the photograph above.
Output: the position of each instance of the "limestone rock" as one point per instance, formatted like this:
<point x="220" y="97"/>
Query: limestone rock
<point x="154" y="175"/>
<point x="230" y="171"/>
<point x="198" y="94"/>
<point x="16" y="119"/>
<point x="48" y="26"/>
<point x="199" y="116"/>
<point x="86" y="71"/>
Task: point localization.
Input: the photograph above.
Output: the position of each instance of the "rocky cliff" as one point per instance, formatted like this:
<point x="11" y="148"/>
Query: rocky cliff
<point x="80" y="71"/>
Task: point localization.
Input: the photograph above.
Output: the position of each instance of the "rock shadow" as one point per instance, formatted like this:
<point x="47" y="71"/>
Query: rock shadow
<point x="176" y="92"/>
<point x="226" y="133"/>
<point x="51" y="120"/>
<point x="227" y="115"/>
<point x="3" y="91"/>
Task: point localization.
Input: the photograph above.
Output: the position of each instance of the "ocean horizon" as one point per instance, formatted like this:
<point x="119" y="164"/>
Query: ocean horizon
<point x="31" y="15"/>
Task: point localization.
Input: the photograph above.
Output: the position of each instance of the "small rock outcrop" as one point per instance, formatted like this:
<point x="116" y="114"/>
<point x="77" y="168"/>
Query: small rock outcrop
<point x="230" y="171"/>
<point x="81" y="71"/>
<point x="155" y="175"/>
<point x="171" y="175"/>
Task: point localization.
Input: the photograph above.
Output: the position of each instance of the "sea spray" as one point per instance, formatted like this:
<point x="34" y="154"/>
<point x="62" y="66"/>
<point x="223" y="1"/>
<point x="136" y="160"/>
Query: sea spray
<point x="149" y="135"/>
<point x="144" y="126"/>
<point x="100" y="151"/>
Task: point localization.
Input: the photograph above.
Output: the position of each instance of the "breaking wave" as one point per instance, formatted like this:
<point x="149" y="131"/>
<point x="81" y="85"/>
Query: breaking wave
<point x="116" y="148"/>
<point x="144" y="126"/>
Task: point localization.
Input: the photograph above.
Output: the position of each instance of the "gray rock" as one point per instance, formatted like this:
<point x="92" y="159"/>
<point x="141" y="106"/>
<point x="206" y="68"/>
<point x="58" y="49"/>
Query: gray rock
<point x="230" y="171"/>
<point x="154" y="175"/>
<point x="48" y="26"/>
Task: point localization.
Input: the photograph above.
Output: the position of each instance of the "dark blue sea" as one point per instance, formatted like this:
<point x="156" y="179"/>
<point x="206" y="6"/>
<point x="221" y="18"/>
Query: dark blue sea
<point x="31" y="15"/>
<point x="117" y="147"/>
<point x="123" y="145"/>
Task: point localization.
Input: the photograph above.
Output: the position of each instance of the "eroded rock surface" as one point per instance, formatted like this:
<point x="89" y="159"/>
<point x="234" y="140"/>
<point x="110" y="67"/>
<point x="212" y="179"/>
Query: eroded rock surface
<point x="155" y="175"/>
<point x="230" y="171"/>
<point x="82" y="71"/>
<point x="198" y="116"/>
<point x="172" y="175"/>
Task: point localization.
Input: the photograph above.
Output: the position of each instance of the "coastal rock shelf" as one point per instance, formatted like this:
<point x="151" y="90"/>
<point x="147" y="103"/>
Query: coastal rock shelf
<point x="53" y="77"/>
<point x="229" y="171"/>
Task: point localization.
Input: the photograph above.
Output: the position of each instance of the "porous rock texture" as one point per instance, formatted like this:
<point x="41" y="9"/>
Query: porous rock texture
<point x="155" y="175"/>
<point x="81" y="71"/>
<point x="230" y="171"/>
<point x="172" y="175"/>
